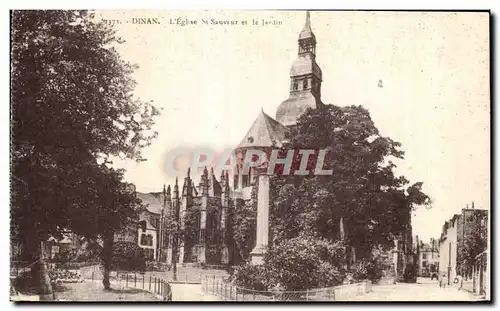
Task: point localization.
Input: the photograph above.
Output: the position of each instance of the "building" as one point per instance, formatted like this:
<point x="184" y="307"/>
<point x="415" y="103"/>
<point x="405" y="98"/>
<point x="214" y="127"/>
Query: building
<point x="203" y="210"/>
<point x="448" y="248"/>
<point x="458" y="239"/>
<point x="427" y="257"/>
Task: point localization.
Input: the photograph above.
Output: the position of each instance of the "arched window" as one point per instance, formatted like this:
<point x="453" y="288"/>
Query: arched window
<point x="295" y="86"/>
<point x="305" y="86"/>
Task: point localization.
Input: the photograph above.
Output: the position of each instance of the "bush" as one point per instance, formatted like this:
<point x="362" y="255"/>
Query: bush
<point x="75" y="265"/>
<point x="360" y="270"/>
<point x="372" y="269"/>
<point x="305" y="262"/>
<point x="250" y="276"/>
<point x="296" y="264"/>
<point x="128" y="256"/>
<point x="62" y="276"/>
<point x="157" y="266"/>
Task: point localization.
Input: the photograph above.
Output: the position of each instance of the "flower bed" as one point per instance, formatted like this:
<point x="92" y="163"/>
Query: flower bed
<point x="65" y="276"/>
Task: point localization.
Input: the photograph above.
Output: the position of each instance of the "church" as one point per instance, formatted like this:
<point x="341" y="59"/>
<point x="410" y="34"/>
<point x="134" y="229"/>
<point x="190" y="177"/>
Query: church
<point x="205" y="208"/>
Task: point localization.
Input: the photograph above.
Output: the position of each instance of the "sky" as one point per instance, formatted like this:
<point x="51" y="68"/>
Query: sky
<point x="213" y="80"/>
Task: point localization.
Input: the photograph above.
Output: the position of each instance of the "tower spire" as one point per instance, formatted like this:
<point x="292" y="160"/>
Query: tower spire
<point x="307" y="39"/>
<point x="305" y="79"/>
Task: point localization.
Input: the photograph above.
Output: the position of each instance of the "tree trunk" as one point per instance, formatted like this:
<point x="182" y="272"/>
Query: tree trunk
<point x="107" y="259"/>
<point x="41" y="274"/>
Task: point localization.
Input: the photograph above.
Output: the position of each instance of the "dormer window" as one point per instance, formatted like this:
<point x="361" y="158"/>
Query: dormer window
<point x="250" y="139"/>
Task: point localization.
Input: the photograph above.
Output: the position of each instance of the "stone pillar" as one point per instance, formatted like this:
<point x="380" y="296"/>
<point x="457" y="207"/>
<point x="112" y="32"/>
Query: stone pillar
<point x="223" y="230"/>
<point x="262" y="219"/>
<point x="202" y="233"/>
<point x="204" y="187"/>
<point x="169" y="255"/>
<point x="181" y="253"/>
<point x="223" y="224"/>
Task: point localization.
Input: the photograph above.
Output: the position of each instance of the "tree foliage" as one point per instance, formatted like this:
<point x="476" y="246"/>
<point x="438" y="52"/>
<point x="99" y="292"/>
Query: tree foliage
<point x="301" y="263"/>
<point x="73" y="110"/>
<point x="128" y="256"/>
<point x="305" y="262"/>
<point x="375" y="203"/>
<point x="374" y="268"/>
<point x="475" y="239"/>
<point x="244" y="225"/>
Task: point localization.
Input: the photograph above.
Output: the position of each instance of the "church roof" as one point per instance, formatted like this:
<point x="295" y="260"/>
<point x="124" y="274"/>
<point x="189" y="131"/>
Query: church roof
<point x="153" y="204"/>
<point x="264" y="132"/>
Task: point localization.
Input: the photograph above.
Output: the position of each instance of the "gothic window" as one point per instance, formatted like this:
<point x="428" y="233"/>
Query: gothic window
<point x="244" y="181"/>
<point x="149" y="253"/>
<point x="202" y="236"/>
<point x="305" y="84"/>
<point x="223" y="235"/>
<point x="146" y="240"/>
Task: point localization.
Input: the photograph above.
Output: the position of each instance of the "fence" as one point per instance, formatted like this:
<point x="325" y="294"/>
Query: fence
<point x="228" y="292"/>
<point x="155" y="285"/>
<point x="183" y="275"/>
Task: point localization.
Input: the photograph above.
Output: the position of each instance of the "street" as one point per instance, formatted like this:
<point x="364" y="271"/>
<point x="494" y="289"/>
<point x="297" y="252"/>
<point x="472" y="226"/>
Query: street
<point x="423" y="290"/>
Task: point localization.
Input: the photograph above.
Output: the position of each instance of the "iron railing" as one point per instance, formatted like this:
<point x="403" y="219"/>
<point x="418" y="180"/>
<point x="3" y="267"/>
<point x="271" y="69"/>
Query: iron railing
<point x="152" y="284"/>
<point x="224" y="290"/>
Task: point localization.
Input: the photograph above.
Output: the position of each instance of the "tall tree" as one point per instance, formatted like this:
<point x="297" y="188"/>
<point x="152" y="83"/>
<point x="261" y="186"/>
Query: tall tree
<point x="475" y="240"/>
<point x="374" y="203"/>
<point x="72" y="108"/>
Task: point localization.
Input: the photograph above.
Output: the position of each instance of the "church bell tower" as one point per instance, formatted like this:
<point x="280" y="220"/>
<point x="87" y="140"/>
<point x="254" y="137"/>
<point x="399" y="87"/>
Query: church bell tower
<point x="305" y="79"/>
